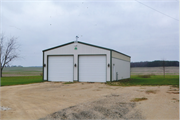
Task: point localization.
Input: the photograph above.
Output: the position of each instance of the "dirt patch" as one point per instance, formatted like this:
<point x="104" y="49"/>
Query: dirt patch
<point x="175" y="99"/>
<point x="151" y="91"/>
<point x="106" y="108"/>
<point x="173" y="92"/>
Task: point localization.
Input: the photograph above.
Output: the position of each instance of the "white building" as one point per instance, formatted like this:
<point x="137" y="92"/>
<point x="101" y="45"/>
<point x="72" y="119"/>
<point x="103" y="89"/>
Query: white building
<point x="83" y="62"/>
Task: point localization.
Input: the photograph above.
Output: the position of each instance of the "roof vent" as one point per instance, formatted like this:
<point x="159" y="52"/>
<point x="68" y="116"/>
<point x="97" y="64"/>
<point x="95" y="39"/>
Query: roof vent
<point x="76" y="39"/>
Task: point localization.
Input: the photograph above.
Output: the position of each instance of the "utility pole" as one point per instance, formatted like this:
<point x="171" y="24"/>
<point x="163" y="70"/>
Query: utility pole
<point x="163" y="64"/>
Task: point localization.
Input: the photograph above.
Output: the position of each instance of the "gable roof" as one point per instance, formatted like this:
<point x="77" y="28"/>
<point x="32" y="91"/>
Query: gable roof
<point x="85" y="44"/>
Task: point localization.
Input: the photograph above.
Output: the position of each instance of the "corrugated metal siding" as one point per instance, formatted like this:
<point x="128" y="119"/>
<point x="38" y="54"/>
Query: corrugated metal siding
<point x="120" y="56"/>
<point x="81" y="50"/>
<point x="121" y="67"/>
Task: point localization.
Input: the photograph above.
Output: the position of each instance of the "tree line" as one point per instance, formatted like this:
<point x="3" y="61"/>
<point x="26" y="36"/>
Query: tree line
<point x="156" y="63"/>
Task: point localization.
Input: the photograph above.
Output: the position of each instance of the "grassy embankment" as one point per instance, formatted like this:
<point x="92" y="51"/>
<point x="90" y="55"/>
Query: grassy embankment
<point x="147" y="80"/>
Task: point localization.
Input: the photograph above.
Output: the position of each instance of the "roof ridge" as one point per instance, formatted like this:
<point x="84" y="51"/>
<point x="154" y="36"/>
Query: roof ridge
<point x="85" y="44"/>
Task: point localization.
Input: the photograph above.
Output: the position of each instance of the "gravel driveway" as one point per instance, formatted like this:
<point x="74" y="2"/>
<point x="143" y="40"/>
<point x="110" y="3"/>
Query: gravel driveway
<point x="88" y="101"/>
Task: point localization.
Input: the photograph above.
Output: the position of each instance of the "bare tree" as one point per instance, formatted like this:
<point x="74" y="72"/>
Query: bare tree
<point x="8" y="51"/>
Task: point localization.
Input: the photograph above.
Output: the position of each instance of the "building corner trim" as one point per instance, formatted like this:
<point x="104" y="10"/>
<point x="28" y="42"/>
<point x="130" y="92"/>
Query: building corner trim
<point x="43" y="67"/>
<point x="111" y="66"/>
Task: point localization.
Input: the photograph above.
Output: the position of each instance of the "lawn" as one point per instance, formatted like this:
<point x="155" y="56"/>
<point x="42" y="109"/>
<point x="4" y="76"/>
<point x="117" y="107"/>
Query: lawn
<point x="5" y="81"/>
<point x="134" y="80"/>
<point x="147" y="80"/>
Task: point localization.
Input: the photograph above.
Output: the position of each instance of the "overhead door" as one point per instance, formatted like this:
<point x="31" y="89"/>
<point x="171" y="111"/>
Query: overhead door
<point x="92" y="68"/>
<point x="60" y="68"/>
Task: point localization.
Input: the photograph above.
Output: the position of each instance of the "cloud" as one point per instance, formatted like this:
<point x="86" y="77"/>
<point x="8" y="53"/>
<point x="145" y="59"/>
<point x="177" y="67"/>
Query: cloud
<point x="128" y="27"/>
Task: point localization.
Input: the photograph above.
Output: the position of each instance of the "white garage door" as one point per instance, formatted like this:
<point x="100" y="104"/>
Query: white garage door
<point x="92" y="68"/>
<point x="60" y="68"/>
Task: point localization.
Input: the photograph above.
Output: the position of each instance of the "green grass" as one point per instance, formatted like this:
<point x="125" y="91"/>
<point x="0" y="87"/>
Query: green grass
<point x="138" y="99"/>
<point x="150" y="80"/>
<point x="6" y="81"/>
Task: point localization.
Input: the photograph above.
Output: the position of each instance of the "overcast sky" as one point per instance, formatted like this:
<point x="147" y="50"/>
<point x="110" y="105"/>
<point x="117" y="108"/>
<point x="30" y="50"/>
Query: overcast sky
<point x="146" y="30"/>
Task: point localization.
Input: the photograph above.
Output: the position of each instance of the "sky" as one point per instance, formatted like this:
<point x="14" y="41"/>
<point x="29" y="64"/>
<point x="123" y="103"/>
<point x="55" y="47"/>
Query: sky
<point x="146" y="30"/>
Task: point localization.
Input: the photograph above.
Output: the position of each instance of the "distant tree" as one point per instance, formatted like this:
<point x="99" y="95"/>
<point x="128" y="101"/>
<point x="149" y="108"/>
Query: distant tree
<point x="8" y="66"/>
<point x="8" y="51"/>
<point x="13" y="66"/>
<point x="156" y="63"/>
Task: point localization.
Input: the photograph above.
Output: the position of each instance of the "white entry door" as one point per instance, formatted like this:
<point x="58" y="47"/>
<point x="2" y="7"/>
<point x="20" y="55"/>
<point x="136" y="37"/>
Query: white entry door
<point x="60" y="68"/>
<point x="92" y="68"/>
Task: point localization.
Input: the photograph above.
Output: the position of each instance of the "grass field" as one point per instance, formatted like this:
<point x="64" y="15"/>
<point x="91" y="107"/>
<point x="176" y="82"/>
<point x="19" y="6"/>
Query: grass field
<point x="148" y="80"/>
<point x="26" y="75"/>
<point x="22" y="71"/>
<point x="134" y="80"/>
<point x="5" y="81"/>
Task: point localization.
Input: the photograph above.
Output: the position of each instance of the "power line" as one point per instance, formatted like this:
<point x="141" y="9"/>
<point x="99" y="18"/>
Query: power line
<point x="156" y="10"/>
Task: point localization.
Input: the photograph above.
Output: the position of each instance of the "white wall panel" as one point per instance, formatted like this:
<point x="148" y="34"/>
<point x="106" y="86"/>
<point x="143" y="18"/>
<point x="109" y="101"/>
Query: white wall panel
<point x="120" y="56"/>
<point x="121" y="67"/>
